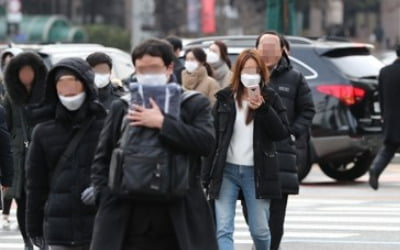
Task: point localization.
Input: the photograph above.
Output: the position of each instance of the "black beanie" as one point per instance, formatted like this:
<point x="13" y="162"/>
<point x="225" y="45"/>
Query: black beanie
<point x="99" y="58"/>
<point x="65" y="72"/>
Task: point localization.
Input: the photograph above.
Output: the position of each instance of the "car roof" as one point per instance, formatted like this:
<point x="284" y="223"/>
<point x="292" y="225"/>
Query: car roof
<point x="321" y="45"/>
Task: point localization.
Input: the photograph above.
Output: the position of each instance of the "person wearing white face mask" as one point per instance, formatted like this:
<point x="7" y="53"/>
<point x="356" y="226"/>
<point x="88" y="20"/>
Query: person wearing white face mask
<point x="198" y="74"/>
<point x="101" y="64"/>
<point x="59" y="173"/>
<point x="247" y="124"/>
<point x="217" y="57"/>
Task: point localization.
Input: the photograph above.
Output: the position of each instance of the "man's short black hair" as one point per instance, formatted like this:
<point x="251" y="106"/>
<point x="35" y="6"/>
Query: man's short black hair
<point x="176" y="42"/>
<point x="97" y="58"/>
<point x="397" y="48"/>
<point x="281" y="39"/>
<point x="155" y="48"/>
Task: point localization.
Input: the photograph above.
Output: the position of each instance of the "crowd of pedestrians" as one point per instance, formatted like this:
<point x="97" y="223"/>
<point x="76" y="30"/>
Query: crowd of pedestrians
<point x="69" y="158"/>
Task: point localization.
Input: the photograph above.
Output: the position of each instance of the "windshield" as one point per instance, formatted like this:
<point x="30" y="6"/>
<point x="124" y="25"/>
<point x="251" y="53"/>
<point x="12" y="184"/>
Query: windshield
<point x="358" y="66"/>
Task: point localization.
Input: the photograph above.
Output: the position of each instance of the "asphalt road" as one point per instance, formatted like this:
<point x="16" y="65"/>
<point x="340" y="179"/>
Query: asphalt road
<point x="326" y="215"/>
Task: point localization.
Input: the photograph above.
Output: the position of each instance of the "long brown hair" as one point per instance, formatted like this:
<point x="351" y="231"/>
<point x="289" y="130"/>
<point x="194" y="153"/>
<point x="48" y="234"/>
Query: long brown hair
<point x="224" y="52"/>
<point x="237" y="86"/>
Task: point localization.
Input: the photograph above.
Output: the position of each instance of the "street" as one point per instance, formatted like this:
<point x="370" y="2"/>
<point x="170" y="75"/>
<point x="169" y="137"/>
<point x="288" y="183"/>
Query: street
<point x="326" y="215"/>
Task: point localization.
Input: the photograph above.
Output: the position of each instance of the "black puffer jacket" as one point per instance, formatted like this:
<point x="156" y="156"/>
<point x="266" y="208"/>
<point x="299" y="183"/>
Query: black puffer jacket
<point x="270" y="124"/>
<point x="17" y="103"/>
<point x="54" y="204"/>
<point x="296" y="97"/>
<point x="6" y="167"/>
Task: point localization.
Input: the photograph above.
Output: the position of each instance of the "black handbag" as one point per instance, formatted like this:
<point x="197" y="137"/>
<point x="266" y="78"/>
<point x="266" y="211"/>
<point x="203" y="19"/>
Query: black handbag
<point x="143" y="168"/>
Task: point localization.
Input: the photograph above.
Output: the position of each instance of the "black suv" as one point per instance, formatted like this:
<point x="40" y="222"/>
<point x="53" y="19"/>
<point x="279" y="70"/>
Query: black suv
<point x="347" y="127"/>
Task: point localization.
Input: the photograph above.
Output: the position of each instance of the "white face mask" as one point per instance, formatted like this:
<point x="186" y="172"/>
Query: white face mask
<point x="152" y="79"/>
<point x="101" y="80"/>
<point x="73" y="103"/>
<point x="191" y="66"/>
<point x="250" y="80"/>
<point x="212" y="57"/>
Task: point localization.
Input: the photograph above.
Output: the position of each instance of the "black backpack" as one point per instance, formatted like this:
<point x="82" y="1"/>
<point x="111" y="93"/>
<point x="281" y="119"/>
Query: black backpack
<point x="143" y="168"/>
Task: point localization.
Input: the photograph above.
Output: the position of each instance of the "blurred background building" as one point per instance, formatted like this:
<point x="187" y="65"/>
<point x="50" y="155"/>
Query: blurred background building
<point x="123" y="23"/>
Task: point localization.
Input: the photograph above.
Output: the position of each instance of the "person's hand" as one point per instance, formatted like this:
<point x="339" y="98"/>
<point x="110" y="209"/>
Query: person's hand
<point x="255" y="102"/>
<point x="38" y="241"/>
<point x="88" y="197"/>
<point x="150" y="118"/>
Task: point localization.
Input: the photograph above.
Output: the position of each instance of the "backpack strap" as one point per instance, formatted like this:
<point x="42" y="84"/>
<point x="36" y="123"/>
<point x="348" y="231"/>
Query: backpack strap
<point x="70" y="149"/>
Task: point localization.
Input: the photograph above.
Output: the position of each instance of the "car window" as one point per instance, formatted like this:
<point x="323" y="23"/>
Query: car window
<point x="358" y="66"/>
<point x="307" y="71"/>
<point x="122" y="65"/>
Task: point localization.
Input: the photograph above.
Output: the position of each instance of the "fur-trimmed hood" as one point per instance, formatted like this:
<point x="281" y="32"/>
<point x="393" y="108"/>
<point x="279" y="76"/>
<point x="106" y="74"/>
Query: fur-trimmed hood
<point x="10" y="51"/>
<point x="15" y="89"/>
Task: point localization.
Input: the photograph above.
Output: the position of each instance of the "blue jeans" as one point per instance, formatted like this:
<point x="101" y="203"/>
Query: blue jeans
<point x="237" y="178"/>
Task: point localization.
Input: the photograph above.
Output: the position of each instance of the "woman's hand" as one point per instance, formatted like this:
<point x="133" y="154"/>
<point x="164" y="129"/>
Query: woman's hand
<point x="255" y="102"/>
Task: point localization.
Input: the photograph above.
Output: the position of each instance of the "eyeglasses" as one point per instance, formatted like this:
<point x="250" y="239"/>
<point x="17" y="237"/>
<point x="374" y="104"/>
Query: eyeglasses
<point x="66" y="80"/>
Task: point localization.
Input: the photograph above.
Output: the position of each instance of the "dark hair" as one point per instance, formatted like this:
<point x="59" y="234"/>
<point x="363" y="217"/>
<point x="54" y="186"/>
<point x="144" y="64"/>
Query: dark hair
<point x="397" y="47"/>
<point x="282" y="41"/>
<point x="97" y="58"/>
<point x="237" y="86"/>
<point x="286" y="43"/>
<point x="155" y="48"/>
<point x="201" y="57"/>
<point x="175" y="42"/>
<point x="223" y="49"/>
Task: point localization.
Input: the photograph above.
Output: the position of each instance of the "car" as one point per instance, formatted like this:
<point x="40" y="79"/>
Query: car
<point x="388" y="57"/>
<point x="346" y="131"/>
<point x="53" y="53"/>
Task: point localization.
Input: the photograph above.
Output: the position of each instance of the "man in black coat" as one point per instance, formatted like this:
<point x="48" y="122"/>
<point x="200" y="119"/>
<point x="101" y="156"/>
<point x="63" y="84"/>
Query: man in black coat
<point x="185" y="223"/>
<point x="101" y="64"/>
<point x="176" y="43"/>
<point x="389" y="93"/>
<point x="6" y="168"/>
<point x="296" y="97"/>
<point x="55" y="212"/>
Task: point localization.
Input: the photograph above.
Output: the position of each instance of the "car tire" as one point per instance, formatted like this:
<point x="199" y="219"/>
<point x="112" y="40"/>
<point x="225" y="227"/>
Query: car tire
<point x="347" y="171"/>
<point x="303" y="170"/>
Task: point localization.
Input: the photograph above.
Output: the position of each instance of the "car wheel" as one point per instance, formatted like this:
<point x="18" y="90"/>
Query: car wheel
<point x="303" y="170"/>
<point x="348" y="171"/>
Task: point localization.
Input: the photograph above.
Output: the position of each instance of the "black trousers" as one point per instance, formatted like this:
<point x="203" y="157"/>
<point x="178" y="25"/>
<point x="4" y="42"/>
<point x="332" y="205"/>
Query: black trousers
<point x="21" y="210"/>
<point x="277" y="211"/>
<point x="7" y="206"/>
<point x="383" y="157"/>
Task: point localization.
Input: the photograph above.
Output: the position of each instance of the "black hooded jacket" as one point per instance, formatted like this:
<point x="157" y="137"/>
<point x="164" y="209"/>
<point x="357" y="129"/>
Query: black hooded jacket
<point x="17" y="104"/>
<point x="54" y="208"/>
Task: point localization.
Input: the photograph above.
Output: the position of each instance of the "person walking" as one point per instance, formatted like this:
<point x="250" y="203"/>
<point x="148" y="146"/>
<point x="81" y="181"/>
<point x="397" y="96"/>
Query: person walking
<point x="101" y="64"/>
<point x="176" y="43"/>
<point x="25" y="81"/>
<point x="198" y="74"/>
<point x="248" y="117"/>
<point x="296" y="96"/>
<point x="218" y="58"/>
<point x="6" y="56"/>
<point x="182" y="224"/>
<point x="6" y="167"/>
<point x="389" y="92"/>
<point x="60" y="203"/>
